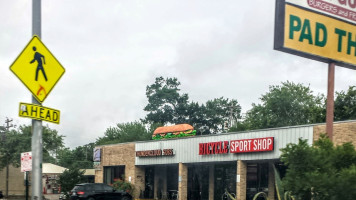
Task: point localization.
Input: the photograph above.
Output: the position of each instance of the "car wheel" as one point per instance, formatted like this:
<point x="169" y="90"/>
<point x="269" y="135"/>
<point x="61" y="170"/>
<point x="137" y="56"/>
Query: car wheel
<point x="91" y="198"/>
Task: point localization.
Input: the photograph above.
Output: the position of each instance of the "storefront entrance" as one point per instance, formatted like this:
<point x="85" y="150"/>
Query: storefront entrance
<point x="149" y="183"/>
<point x="225" y="178"/>
<point x="257" y="179"/>
<point x="198" y="182"/>
<point x="161" y="182"/>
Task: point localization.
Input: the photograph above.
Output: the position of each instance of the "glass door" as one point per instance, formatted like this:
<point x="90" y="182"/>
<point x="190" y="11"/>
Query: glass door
<point x="224" y="178"/>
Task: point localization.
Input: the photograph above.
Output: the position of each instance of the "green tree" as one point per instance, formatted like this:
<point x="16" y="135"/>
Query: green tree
<point x="52" y="142"/>
<point x="126" y="132"/>
<point x="239" y="126"/>
<point x="286" y="105"/>
<point x="84" y="156"/>
<point x="219" y="112"/>
<point x="345" y="104"/>
<point x="321" y="170"/>
<point x="65" y="157"/>
<point x="11" y="148"/>
<point x="69" y="178"/>
<point x="165" y="103"/>
<point x="81" y="157"/>
<point x="19" y="140"/>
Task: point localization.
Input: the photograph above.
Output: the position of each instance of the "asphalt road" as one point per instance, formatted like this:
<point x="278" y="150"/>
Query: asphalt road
<point x="47" y="196"/>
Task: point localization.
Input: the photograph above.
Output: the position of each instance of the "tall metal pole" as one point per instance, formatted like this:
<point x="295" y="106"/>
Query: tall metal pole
<point x="26" y="183"/>
<point x="36" y="124"/>
<point x="330" y="101"/>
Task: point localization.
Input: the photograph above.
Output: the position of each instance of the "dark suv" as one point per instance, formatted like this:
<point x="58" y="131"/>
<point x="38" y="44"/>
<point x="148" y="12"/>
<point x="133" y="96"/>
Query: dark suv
<point x="97" y="191"/>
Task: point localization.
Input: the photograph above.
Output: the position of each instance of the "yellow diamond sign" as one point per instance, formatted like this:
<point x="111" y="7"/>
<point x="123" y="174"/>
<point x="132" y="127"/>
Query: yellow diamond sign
<point x="38" y="69"/>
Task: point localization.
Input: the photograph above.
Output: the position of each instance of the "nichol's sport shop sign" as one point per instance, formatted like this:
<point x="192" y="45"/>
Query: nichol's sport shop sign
<point x="237" y="146"/>
<point x="317" y="29"/>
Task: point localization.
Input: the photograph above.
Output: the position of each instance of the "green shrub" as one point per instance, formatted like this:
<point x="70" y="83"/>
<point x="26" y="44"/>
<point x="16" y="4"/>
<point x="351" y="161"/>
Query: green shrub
<point x="124" y="186"/>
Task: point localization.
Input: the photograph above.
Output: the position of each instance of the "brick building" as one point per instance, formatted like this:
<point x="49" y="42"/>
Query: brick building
<point x="202" y="167"/>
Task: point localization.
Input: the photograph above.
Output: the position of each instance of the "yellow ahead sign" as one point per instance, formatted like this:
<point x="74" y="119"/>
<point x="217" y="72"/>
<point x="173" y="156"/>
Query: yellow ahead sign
<point x="313" y="35"/>
<point x="38" y="112"/>
<point x="38" y="69"/>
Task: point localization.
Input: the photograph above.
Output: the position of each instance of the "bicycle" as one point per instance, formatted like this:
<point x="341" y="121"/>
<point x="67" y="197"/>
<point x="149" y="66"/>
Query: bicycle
<point x="173" y="195"/>
<point x="228" y="196"/>
<point x="164" y="196"/>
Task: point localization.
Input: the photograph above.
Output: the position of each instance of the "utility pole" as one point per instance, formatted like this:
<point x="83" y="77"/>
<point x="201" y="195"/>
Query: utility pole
<point x="231" y="116"/>
<point x="7" y="127"/>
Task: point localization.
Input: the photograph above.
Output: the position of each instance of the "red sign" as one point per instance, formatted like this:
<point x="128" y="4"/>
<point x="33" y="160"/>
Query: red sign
<point x="154" y="153"/>
<point x="26" y="161"/>
<point x="221" y="147"/>
<point x="252" y="145"/>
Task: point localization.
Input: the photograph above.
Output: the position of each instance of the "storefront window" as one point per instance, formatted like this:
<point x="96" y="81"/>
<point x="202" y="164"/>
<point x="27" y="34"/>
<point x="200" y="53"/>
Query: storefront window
<point x="257" y="179"/>
<point x="225" y="178"/>
<point x="167" y="181"/>
<point x="149" y="182"/>
<point x="198" y="182"/>
<point x="113" y="173"/>
<point x="172" y="177"/>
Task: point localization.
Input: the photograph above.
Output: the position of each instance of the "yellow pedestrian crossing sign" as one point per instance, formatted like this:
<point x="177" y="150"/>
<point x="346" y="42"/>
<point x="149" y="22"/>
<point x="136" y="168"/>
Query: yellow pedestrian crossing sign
<point x="37" y="68"/>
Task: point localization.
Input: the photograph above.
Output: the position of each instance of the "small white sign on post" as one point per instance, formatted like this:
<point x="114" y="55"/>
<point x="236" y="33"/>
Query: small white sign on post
<point x="26" y="161"/>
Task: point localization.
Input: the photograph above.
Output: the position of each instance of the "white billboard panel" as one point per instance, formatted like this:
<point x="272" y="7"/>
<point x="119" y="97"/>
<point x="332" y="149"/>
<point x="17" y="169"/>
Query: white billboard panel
<point x="341" y="9"/>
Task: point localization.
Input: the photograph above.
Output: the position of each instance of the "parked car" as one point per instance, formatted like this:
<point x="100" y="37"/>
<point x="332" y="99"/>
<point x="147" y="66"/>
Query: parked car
<point x="97" y="191"/>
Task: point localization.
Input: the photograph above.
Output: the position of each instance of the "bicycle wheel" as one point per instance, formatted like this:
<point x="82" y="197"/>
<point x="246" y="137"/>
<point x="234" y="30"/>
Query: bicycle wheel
<point x="175" y="196"/>
<point x="233" y="195"/>
<point x="225" y="197"/>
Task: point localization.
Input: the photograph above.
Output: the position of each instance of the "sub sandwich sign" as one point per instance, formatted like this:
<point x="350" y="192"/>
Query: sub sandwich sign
<point x="322" y="30"/>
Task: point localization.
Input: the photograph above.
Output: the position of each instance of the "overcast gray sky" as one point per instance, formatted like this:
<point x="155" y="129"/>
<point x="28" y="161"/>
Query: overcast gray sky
<point x="113" y="49"/>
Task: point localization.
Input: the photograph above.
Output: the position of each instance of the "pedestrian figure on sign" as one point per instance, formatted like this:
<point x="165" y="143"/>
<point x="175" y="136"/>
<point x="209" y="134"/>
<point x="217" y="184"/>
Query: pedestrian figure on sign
<point x="38" y="57"/>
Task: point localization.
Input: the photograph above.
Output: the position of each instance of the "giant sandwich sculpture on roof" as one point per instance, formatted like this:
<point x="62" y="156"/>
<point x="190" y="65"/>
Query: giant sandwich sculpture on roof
<point x="175" y="131"/>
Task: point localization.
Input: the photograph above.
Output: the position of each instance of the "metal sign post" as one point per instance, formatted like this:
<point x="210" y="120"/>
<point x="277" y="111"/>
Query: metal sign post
<point x="36" y="124"/>
<point x="26" y="166"/>
<point x="36" y="58"/>
<point x="26" y="184"/>
<point x="330" y="101"/>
